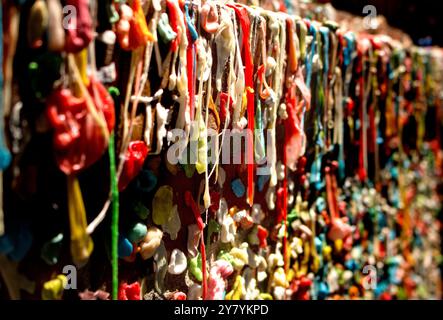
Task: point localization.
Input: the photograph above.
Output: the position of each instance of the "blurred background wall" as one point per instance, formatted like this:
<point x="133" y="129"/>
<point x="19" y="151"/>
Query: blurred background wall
<point x="421" y="19"/>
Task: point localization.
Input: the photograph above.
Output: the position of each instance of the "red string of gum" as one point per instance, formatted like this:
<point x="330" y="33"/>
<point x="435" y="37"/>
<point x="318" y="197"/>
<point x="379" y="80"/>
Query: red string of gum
<point x="190" y="52"/>
<point x="284" y="213"/>
<point x="203" y="255"/>
<point x="173" y="19"/>
<point x="285" y="216"/>
<point x="291" y="102"/>
<point x="191" y="203"/>
<point x="362" y="171"/>
<point x="242" y="15"/>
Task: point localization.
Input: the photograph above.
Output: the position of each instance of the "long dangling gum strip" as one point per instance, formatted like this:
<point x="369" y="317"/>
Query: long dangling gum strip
<point x="206" y="196"/>
<point x="190" y="64"/>
<point x="272" y="145"/>
<point x="249" y="68"/>
<point x="179" y="26"/>
<point x="227" y="22"/>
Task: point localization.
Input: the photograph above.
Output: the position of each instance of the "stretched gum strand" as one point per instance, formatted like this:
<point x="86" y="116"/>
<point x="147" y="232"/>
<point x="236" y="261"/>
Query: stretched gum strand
<point x="201" y="165"/>
<point x="239" y="85"/>
<point x="276" y="79"/>
<point x="178" y="24"/>
<point x="226" y="16"/>
<point x="206" y="195"/>
<point x="242" y="14"/>
<point x="224" y="43"/>
<point x="190" y="63"/>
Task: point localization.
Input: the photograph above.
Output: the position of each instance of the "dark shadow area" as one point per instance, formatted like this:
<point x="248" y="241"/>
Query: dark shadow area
<point x="421" y="19"/>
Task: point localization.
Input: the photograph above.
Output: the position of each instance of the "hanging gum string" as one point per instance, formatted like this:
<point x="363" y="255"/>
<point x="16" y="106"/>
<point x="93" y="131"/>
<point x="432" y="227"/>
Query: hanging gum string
<point x="247" y="57"/>
<point x="134" y="75"/>
<point x="310" y="56"/>
<point x="179" y="25"/>
<point x="362" y="171"/>
<point x="190" y="56"/>
<point x="204" y="271"/>
<point x="365" y="113"/>
<point x="321" y="105"/>
<point x="274" y="82"/>
<point x="258" y="32"/>
<point x="206" y="196"/>
<point x="115" y="217"/>
<point x="231" y="81"/>
<point x="278" y="80"/>
<point x="285" y="215"/>
<point x="332" y="79"/>
<point x="239" y="86"/>
<point x="292" y="71"/>
<point x="324" y="37"/>
<point x="315" y="177"/>
<point x="335" y="81"/>
<point x="349" y="56"/>
<point x="266" y="93"/>
<point x="308" y="60"/>
<point x="201" y="134"/>
<point x="338" y="130"/>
